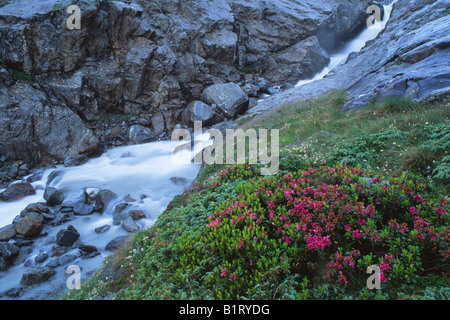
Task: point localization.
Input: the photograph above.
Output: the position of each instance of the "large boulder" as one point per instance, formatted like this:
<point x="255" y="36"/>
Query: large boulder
<point x="200" y="111"/>
<point x="83" y="209"/>
<point x="67" y="237"/>
<point x="36" y="275"/>
<point x="28" y="227"/>
<point x="139" y="134"/>
<point x="228" y="97"/>
<point x="115" y="243"/>
<point x="17" y="191"/>
<point x="104" y="197"/>
<point x="53" y="196"/>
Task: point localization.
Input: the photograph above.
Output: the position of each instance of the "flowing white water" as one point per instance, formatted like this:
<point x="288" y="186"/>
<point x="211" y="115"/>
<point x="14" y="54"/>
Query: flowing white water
<point x="143" y="172"/>
<point x="354" y="45"/>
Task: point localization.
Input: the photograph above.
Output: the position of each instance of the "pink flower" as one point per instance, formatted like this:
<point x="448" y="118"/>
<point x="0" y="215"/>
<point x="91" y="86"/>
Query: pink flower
<point x="223" y="273"/>
<point x="342" y="278"/>
<point x="413" y="210"/>
<point x="286" y="239"/>
<point x="384" y="266"/>
<point x="214" y="223"/>
<point x="357" y="233"/>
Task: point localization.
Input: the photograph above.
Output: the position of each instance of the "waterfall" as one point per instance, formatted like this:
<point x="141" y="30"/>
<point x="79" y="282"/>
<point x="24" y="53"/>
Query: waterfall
<point x="354" y="45"/>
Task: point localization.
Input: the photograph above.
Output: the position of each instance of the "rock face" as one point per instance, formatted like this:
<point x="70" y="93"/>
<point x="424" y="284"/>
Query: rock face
<point x="408" y="58"/>
<point x="145" y="58"/>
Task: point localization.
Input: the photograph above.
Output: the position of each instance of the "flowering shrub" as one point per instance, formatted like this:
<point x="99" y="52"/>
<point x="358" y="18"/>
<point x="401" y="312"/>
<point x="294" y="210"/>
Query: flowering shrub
<point x="324" y="225"/>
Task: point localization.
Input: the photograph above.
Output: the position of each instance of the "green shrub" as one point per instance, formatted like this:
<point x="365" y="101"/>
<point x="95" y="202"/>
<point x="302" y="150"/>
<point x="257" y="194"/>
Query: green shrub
<point x="307" y="235"/>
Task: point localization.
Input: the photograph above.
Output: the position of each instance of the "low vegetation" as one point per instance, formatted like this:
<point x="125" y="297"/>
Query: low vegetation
<point x="355" y="189"/>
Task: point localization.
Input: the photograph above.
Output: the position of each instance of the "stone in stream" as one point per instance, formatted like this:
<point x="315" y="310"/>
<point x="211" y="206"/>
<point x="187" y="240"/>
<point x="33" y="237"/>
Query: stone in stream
<point x="28" y="227"/>
<point x="83" y="209"/>
<point x="228" y="97"/>
<point x="67" y="237"/>
<point x="115" y="243"/>
<point x="139" y="134"/>
<point x="36" y="275"/>
<point x="102" y="229"/>
<point x="137" y="214"/>
<point x="7" y="232"/>
<point x="105" y="196"/>
<point x="8" y="250"/>
<point x="53" y="196"/>
<point x="17" y="191"/>
<point x="41" y="257"/>
<point x="130" y="226"/>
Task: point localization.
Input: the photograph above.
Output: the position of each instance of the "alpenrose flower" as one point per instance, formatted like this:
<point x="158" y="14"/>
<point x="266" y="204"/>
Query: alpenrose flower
<point x="287" y="221"/>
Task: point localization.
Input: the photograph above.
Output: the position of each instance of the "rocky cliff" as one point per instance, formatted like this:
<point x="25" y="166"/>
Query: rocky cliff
<point x="60" y="88"/>
<point x="410" y="57"/>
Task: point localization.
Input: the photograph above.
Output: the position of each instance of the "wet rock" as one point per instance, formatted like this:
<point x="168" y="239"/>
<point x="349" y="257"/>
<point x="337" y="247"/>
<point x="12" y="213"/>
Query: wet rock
<point x="87" y="248"/>
<point x="92" y="193"/>
<point x="179" y="181"/>
<point x="102" y="229"/>
<point x="22" y="256"/>
<point x="228" y="97"/>
<point x="41" y="257"/>
<point x="300" y="61"/>
<point x="61" y="218"/>
<point x="128" y="198"/>
<point x="83" y="209"/>
<point x="75" y="160"/>
<point x="139" y="134"/>
<point x="28" y="227"/>
<point x="17" y="191"/>
<point x="14" y="292"/>
<point x="129" y="225"/>
<point x="157" y="123"/>
<point x="20" y="241"/>
<point x="33" y="215"/>
<point x="67" y="237"/>
<point x="31" y="125"/>
<point x="115" y="243"/>
<point x="7" y="232"/>
<point x="36" y="275"/>
<point x="137" y="214"/>
<point x="61" y="261"/>
<point x="38" y="207"/>
<point x="8" y="250"/>
<point x="34" y="177"/>
<point x="53" y="196"/>
<point x="200" y="111"/>
<point x="104" y="198"/>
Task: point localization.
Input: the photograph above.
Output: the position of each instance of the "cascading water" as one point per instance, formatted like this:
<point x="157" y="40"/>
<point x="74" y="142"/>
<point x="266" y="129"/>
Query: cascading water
<point x="147" y="173"/>
<point x="354" y="45"/>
